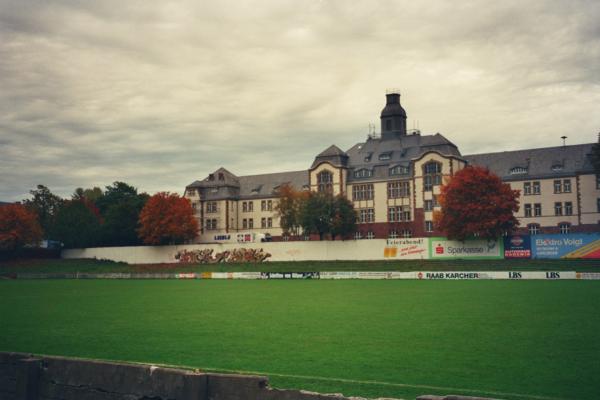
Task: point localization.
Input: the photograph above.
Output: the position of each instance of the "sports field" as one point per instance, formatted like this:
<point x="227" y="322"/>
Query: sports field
<point x="503" y="339"/>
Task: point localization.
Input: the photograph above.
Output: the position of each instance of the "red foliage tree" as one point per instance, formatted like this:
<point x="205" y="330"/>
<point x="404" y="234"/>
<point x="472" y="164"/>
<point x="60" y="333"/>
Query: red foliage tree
<point x="475" y="202"/>
<point x="18" y="226"/>
<point x="167" y="219"/>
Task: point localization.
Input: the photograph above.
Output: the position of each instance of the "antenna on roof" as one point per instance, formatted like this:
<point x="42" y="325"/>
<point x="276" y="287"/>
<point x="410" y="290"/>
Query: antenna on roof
<point x="372" y="133"/>
<point x="564" y="140"/>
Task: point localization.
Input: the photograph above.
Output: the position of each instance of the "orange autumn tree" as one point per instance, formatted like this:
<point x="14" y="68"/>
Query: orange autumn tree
<point x="288" y="208"/>
<point x="167" y="219"/>
<point x="18" y="226"/>
<point x="475" y="202"/>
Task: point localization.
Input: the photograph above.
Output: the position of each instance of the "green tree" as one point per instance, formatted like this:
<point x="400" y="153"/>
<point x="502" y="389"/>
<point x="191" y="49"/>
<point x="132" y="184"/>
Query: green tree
<point x="121" y="222"/>
<point x="344" y="217"/>
<point x="89" y="194"/>
<point x="289" y="208"/>
<point x="114" y="194"/>
<point x="77" y="224"/>
<point x="316" y="213"/>
<point x="46" y="205"/>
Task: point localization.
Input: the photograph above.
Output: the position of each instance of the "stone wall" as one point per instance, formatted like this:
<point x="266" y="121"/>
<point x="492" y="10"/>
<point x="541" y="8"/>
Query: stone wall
<point x="27" y="377"/>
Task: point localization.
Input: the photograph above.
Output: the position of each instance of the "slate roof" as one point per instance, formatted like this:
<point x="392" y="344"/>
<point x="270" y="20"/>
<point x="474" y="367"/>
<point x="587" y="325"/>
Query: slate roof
<point x="373" y="154"/>
<point x="539" y="163"/>
<point x="264" y="185"/>
<point x="332" y="154"/>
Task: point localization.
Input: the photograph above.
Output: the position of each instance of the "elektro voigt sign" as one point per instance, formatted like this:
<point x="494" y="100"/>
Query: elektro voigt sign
<point x="443" y="248"/>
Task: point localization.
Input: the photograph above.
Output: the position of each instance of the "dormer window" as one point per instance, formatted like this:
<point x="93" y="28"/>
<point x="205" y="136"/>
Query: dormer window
<point x="256" y="190"/>
<point x="518" y="170"/>
<point x="368" y="157"/>
<point x="399" y="170"/>
<point x="211" y="177"/>
<point x="363" y="173"/>
<point x="385" y="156"/>
<point x="557" y="167"/>
<point x="221" y="176"/>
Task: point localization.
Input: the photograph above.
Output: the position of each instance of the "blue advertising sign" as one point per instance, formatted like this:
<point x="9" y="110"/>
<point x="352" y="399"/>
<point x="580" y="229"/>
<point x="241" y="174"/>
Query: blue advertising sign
<point x="517" y="246"/>
<point x="573" y="245"/>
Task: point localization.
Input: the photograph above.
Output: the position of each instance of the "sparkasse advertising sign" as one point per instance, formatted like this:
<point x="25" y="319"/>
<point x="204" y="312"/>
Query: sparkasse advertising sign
<point x="574" y="245"/>
<point x="442" y="248"/>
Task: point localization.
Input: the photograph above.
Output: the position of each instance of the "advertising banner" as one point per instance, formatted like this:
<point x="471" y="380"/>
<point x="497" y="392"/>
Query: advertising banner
<point x="406" y="248"/>
<point x="289" y="275"/>
<point x="518" y="246"/>
<point x="574" y="245"/>
<point x="442" y="248"/>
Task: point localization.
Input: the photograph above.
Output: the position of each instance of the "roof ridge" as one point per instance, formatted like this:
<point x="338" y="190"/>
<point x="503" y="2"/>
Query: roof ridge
<point x="529" y="150"/>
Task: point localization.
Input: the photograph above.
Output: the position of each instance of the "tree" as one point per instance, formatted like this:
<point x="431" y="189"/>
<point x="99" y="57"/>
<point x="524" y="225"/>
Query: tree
<point x="46" y="205"/>
<point x="288" y="208"/>
<point x="316" y="213"/>
<point x="475" y="202"/>
<point x="344" y="217"/>
<point x="121" y="205"/>
<point x="18" y="226"/>
<point x="167" y="219"/>
<point x="77" y="224"/>
<point x="89" y="194"/>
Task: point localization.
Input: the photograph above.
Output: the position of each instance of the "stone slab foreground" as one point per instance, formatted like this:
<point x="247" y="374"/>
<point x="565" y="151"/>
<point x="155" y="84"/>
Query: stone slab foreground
<point x="29" y="377"/>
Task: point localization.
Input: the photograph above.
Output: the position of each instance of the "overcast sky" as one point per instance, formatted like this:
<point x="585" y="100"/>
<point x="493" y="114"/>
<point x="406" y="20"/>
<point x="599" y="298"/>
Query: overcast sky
<point x="160" y="93"/>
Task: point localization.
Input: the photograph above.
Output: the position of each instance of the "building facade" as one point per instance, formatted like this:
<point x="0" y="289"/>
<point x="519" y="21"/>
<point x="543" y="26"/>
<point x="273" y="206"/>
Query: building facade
<point x="393" y="180"/>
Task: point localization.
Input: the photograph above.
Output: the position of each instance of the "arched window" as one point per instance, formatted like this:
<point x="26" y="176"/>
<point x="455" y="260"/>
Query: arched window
<point x="325" y="181"/>
<point x="399" y="170"/>
<point x="432" y="175"/>
<point x="363" y="173"/>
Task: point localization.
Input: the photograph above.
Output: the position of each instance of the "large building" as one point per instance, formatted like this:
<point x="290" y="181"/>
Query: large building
<point x="394" y="179"/>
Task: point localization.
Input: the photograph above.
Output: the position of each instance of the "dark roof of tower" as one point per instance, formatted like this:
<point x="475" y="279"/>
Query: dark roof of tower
<point x="393" y="107"/>
<point x="538" y="163"/>
<point x="333" y="155"/>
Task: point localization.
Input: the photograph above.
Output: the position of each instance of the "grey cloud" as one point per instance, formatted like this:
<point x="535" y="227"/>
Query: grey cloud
<point x="160" y="94"/>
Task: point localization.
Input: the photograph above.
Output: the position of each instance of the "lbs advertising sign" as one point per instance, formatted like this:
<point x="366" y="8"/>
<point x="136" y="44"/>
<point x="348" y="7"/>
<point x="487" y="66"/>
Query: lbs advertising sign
<point x="517" y="246"/>
<point x="442" y="248"/>
<point x="566" y="246"/>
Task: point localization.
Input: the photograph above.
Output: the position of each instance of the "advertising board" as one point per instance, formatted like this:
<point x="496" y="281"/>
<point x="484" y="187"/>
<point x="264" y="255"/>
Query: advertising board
<point x="517" y="246"/>
<point x="574" y="245"/>
<point x="442" y="248"/>
<point x="406" y="248"/>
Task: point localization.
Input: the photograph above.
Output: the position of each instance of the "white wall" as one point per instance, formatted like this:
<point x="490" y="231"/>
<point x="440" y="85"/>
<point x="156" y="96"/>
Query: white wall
<point x="280" y="251"/>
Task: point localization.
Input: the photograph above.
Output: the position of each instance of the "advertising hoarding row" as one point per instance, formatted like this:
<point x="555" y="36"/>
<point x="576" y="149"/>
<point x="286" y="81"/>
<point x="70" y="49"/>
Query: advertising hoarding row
<point x="574" y="245"/>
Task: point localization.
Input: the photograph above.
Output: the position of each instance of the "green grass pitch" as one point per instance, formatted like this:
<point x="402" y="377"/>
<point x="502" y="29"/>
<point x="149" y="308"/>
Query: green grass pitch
<point x="503" y="339"/>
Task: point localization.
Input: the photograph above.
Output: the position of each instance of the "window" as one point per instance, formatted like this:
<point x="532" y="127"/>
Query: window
<point x="557" y="167"/>
<point x="385" y="156"/>
<point x="432" y="175"/>
<point x="194" y="206"/>
<point x="363" y="173"/>
<point x="527" y="210"/>
<point x="362" y="192"/>
<point x="568" y="208"/>
<point x="366" y="215"/>
<point x="211" y="224"/>
<point x="263" y="206"/>
<point x="269" y="222"/>
<point x="393" y="234"/>
<point x="250" y="223"/>
<point x="325" y="181"/>
<point x="518" y="170"/>
<point x="533" y="229"/>
<point x="398" y="189"/>
<point x="191" y="192"/>
<point x="527" y="188"/>
<point x="537" y="210"/>
<point x="269" y="205"/>
<point x="368" y="157"/>
<point x="597" y="181"/>
<point x="428" y="226"/>
<point x="221" y="176"/>
<point x="357" y="235"/>
<point x="558" y="208"/>
<point x="435" y="201"/>
<point x="428" y="205"/>
<point x="557" y="186"/>
<point x="244" y="223"/>
<point x="536" y="187"/>
<point x="244" y="207"/>
<point x="263" y="222"/>
<point x="399" y="170"/>
<point x="250" y="206"/>
<point x="564" y="227"/>
<point x="211" y="207"/>
<point x="406" y="233"/>
<point x="399" y="214"/>
<point x="370" y="235"/>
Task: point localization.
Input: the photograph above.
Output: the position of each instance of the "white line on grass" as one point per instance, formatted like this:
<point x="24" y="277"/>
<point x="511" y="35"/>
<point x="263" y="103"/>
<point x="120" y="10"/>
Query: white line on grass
<point x="381" y="383"/>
